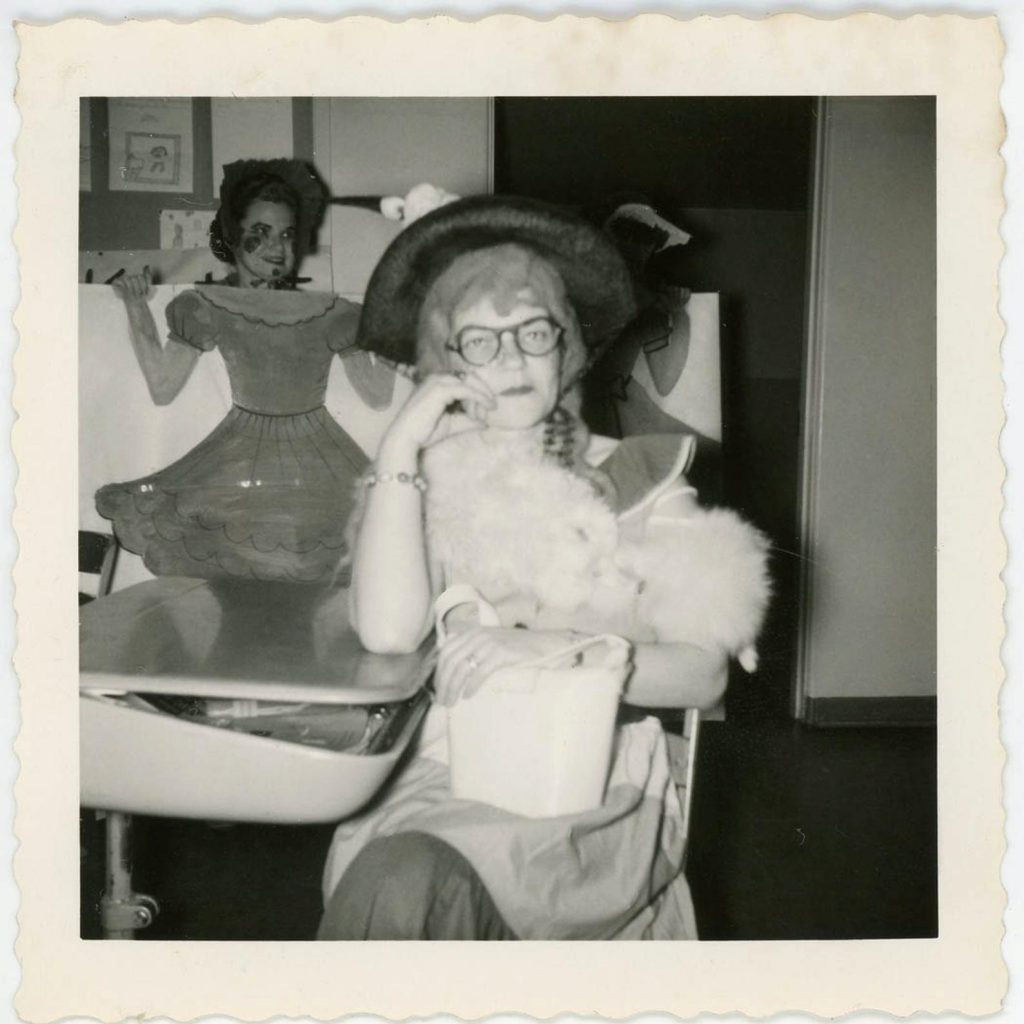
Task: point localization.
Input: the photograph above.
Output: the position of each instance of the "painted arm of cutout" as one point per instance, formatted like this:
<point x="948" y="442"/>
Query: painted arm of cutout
<point x="166" y="368"/>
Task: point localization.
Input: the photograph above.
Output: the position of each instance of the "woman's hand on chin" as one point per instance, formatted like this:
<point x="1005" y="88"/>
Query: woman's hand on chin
<point x="444" y="404"/>
<point x="470" y="656"/>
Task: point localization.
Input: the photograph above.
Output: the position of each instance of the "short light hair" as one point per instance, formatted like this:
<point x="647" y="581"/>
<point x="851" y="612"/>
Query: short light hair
<point x="506" y="274"/>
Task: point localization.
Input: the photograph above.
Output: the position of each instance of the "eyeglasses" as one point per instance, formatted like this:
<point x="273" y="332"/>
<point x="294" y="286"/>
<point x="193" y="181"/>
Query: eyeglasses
<point x="481" y="345"/>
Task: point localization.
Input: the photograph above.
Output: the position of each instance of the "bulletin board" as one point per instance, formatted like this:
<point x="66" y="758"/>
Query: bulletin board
<point x="129" y="218"/>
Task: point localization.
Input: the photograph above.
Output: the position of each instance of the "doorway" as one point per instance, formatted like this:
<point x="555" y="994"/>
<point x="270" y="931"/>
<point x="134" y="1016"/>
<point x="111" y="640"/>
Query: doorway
<point x="734" y="173"/>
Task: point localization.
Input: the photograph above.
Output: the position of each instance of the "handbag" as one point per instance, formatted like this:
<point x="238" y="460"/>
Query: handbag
<point x="536" y="739"/>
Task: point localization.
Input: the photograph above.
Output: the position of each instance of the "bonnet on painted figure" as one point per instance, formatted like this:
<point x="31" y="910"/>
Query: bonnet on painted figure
<point x="292" y="182"/>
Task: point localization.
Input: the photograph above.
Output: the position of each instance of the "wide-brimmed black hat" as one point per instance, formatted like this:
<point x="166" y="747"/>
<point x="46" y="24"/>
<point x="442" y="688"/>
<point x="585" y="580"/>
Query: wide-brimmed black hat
<point x="596" y="279"/>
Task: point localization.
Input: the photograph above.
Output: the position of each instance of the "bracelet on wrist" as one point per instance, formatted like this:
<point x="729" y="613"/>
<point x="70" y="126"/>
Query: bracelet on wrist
<point x="382" y="477"/>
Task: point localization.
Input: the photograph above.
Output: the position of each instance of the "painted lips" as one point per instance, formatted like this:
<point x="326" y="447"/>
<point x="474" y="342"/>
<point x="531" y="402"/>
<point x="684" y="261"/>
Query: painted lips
<point x="521" y="389"/>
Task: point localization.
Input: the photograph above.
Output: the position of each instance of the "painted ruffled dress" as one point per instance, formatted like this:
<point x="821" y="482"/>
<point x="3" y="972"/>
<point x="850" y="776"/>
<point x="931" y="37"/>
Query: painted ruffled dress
<point x="267" y="494"/>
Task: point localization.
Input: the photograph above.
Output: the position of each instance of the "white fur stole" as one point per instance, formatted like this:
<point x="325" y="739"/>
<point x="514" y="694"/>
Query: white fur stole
<point x="511" y="523"/>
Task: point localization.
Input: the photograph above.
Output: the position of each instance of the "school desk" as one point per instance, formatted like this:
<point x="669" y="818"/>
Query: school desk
<point x="232" y="701"/>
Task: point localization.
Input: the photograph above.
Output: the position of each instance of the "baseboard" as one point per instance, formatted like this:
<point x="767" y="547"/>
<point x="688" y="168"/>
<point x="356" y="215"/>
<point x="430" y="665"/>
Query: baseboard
<point x="854" y="711"/>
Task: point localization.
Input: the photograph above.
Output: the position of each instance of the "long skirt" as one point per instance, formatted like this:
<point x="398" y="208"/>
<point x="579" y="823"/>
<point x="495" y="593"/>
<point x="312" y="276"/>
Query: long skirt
<point x="262" y="497"/>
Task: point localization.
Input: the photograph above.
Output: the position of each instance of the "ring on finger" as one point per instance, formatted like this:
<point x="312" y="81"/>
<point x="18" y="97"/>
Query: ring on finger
<point x="460" y="374"/>
<point x="472" y="662"/>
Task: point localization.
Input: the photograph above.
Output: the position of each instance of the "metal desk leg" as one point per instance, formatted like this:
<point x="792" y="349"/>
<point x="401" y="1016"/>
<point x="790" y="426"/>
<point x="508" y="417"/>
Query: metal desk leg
<point x="122" y="911"/>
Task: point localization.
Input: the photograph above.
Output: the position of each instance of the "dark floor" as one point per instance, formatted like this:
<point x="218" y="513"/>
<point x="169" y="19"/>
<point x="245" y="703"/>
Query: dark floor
<point x="798" y="833"/>
<point x="803" y="833"/>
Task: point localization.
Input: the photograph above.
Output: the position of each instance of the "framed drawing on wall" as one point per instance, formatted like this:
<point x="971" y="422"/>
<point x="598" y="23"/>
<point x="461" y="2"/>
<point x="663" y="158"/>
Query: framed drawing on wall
<point x="151" y="145"/>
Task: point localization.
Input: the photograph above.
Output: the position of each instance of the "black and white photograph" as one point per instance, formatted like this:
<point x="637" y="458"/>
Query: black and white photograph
<point x="580" y="368"/>
<point x="509" y="517"/>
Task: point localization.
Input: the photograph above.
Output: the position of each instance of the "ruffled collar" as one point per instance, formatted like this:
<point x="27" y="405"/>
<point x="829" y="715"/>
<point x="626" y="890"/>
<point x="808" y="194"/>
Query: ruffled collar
<point x="268" y="307"/>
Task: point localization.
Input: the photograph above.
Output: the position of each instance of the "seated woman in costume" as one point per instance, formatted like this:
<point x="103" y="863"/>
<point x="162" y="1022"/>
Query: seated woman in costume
<point x="487" y="478"/>
<point x="259" y="497"/>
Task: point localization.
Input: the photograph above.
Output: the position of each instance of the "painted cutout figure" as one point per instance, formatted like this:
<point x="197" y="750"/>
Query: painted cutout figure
<point x="265" y="496"/>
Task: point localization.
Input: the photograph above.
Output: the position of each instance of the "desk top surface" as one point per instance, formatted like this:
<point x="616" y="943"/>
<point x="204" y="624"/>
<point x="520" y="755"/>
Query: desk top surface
<point x="259" y="641"/>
